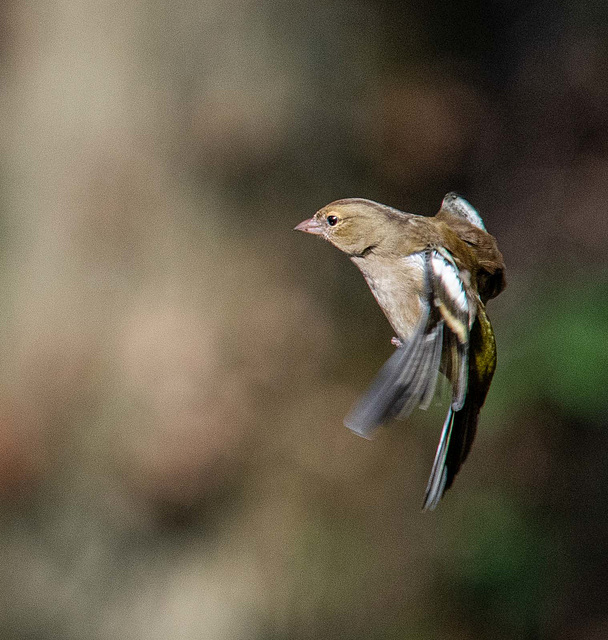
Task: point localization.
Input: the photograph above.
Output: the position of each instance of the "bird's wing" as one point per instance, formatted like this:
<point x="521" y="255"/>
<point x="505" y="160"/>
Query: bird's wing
<point x="456" y="205"/>
<point x="408" y="379"/>
<point x="457" y="308"/>
<point x="466" y="222"/>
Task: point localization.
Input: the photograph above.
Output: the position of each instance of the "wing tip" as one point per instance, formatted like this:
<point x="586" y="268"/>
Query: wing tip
<point x="455" y="204"/>
<point x="363" y="430"/>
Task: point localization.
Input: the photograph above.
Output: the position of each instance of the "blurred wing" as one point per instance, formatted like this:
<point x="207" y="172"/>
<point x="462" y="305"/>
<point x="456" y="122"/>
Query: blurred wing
<point x="409" y="377"/>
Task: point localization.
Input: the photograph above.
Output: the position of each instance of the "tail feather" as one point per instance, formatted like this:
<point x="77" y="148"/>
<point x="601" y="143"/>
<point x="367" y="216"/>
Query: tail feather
<point x="455" y="443"/>
<point x="439" y="472"/>
<point x="460" y="426"/>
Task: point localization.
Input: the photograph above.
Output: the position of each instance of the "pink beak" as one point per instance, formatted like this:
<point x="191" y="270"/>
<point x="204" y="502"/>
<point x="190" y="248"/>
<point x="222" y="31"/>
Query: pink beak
<point x="310" y="226"/>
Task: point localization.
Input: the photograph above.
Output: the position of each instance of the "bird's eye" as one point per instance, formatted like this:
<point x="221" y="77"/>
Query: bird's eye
<point x="332" y="221"/>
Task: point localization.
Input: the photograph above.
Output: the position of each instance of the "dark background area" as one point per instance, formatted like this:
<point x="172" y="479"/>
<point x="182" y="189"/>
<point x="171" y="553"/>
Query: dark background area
<point x="177" y="362"/>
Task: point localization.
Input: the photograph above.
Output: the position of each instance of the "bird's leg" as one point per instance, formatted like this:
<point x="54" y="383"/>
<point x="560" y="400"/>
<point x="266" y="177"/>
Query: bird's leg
<point x="396" y="342"/>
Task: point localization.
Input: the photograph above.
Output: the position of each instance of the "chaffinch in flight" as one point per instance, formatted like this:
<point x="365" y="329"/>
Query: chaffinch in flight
<point x="432" y="277"/>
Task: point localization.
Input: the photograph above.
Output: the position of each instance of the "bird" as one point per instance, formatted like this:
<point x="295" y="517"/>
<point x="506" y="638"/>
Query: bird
<point x="432" y="277"/>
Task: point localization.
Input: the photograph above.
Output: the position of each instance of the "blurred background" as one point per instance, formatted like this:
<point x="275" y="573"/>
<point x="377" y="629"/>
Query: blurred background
<point x="177" y="362"/>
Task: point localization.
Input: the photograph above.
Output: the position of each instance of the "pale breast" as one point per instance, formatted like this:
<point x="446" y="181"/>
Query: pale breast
<point x="398" y="286"/>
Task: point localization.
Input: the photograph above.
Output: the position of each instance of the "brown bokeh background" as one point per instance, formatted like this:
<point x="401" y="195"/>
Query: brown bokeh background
<point x="176" y="363"/>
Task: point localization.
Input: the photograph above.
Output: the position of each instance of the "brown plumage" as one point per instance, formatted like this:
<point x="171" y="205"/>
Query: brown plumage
<point x="432" y="277"/>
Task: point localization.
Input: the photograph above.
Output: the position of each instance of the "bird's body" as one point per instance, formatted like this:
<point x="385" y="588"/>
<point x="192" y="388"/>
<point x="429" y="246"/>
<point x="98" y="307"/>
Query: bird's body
<point x="432" y="277"/>
<point x="398" y="288"/>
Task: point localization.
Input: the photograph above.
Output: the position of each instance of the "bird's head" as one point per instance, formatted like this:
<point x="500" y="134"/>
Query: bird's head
<point x="353" y="225"/>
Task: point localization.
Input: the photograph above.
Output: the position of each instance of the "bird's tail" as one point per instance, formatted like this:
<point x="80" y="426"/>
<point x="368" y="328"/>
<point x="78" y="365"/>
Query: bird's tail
<point x="460" y="427"/>
<point x="456" y="439"/>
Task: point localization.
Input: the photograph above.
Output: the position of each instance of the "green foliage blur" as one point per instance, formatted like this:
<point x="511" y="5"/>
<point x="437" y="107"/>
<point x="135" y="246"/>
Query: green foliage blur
<point x="177" y="362"/>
